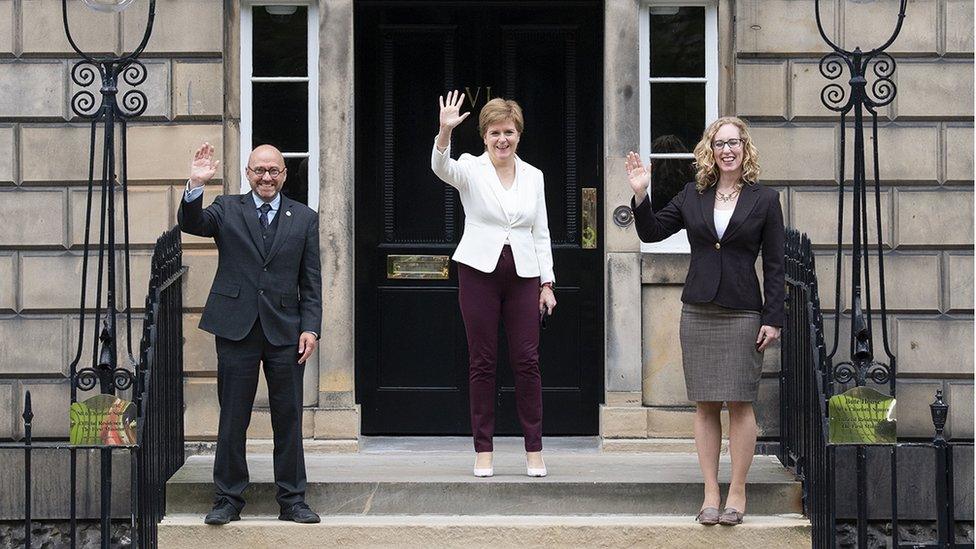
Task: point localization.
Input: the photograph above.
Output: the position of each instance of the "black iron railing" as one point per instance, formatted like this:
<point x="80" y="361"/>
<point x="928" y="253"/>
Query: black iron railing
<point x="158" y="399"/>
<point x="802" y="382"/>
<point x="812" y="373"/>
<point x="160" y="386"/>
<point x="807" y="381"/>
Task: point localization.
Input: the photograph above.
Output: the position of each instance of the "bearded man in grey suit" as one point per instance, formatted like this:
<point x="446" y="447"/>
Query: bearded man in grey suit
<point x="264" y="307"/>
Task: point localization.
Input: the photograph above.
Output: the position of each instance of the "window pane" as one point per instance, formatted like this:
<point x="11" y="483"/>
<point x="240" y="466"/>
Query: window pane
<point x="677" y="110"/>
<point x="280" y="114"/>
<point x="677" y="41"/>
<point x="280" y="41"/>
<point x="296" y="183"/>
<point x="668" y="176"/>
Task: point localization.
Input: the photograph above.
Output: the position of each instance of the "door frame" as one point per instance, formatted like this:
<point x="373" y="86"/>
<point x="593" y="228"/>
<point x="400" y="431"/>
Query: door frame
<point x="602" y="220"/>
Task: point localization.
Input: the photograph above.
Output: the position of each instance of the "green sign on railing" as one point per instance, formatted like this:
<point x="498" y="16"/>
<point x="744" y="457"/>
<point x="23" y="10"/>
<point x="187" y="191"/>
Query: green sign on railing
<point x="104" y="420"/>
<point x="861" y="416"/>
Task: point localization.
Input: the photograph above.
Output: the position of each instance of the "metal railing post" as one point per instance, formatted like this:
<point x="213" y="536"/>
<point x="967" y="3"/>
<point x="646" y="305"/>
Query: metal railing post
<point x="28" y="439"/>
<point x="943" y="473"/>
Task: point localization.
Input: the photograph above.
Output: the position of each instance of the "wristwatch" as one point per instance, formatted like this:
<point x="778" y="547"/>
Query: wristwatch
<point x="545" y="284"/>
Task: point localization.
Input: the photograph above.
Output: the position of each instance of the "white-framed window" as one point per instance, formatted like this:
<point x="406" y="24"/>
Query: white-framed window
<point x="678" y="95"/>
<point x="279" y="90"/>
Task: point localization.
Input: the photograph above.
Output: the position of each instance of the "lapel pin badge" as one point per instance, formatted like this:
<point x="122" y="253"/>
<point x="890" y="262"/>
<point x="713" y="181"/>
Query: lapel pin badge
<point x="288" y="213"/>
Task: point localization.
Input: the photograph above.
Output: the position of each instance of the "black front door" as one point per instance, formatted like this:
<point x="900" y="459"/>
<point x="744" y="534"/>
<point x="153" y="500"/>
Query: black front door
<point x="411" y="352"/>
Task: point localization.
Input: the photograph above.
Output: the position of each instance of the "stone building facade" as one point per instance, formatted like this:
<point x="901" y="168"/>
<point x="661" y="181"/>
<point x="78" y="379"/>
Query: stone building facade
<point x="766" y="70"/>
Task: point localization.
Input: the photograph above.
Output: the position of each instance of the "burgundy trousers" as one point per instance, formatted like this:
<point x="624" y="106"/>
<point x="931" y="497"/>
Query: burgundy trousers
<point x="484" y="298"/>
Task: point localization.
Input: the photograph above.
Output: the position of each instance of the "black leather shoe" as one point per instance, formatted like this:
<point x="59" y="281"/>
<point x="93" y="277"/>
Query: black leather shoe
<point x="299" y="513"/>
<point x="222" y="513"/>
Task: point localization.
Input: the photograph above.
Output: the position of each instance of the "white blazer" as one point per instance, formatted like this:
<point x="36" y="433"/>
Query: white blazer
<point x="486" y="225"/>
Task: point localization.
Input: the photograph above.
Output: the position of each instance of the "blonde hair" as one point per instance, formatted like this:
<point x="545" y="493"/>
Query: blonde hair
<point x="707" y="174"/>
<point x="500" y="110"/>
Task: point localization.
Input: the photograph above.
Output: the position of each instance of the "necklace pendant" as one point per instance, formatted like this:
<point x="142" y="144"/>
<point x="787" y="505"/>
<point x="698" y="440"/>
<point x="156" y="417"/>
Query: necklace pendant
<point x="726" y="197"/>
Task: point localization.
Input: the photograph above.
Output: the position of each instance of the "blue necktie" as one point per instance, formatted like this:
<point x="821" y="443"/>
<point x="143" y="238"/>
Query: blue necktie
<point x="265" y="208"/>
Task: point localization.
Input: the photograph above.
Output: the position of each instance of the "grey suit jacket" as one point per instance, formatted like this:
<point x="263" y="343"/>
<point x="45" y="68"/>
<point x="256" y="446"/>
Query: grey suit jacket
<point x="282" y="288"/>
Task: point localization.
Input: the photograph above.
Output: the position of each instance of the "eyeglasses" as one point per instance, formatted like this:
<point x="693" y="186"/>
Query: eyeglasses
<point x="273" y="172"/>
<point x="732" y="143"/>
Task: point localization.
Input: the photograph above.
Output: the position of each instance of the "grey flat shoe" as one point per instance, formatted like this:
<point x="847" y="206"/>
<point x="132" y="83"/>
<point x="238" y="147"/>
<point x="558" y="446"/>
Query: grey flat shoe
<point x="708" y="516"/>
<point x="730" y="517"/>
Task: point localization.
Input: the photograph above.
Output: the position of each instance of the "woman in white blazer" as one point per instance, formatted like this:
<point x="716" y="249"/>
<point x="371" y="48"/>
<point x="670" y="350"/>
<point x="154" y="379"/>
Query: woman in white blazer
<point x="504" y="268"/>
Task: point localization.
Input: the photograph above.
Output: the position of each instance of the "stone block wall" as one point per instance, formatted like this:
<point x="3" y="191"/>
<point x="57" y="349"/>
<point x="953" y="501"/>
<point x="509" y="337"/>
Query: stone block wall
<point x="193" y="92"/>
<point x="926" y="164"/>
<point x="43" y="174"/>
<point x="769" y="53"/>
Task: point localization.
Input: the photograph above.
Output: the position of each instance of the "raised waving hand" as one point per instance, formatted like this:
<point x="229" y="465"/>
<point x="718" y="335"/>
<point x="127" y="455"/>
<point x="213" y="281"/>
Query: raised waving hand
<point x="450" y="117"/>
<point x="451" y="110"/>
<point x="638" y="176"/>
<point x="204" y="167"/>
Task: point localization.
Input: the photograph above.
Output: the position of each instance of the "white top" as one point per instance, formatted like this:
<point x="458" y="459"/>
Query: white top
<point x="722" y="218"/>
<point x="510" y="201"/>
<point x="487" y="225"/>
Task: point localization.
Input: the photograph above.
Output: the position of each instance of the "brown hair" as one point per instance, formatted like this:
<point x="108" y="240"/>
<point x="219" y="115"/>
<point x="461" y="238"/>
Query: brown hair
<point x="500" y="110"/>
<point x="705" y="156"/>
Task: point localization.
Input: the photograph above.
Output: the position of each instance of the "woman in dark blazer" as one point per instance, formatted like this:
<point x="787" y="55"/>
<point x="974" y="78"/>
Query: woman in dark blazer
<point x="726" y="323"/>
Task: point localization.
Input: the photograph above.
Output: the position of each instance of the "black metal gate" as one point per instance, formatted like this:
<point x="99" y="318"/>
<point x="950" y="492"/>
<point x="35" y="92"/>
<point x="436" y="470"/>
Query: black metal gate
<point x="807" y="381"/>
<point x="158" y="399"/>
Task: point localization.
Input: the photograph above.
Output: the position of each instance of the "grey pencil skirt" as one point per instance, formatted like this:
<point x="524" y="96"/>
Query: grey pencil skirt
<point x="718" y="350"/>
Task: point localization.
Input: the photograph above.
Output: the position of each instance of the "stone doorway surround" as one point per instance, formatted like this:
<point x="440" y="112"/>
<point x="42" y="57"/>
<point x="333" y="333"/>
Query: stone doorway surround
<point x="337" y="416"/>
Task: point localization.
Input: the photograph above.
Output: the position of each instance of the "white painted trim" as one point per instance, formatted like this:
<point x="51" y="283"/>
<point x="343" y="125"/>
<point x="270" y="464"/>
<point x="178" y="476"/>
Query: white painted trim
<point x="247" y="55"/>
<point x="247" y="79"/>
<point x="679" y="3"/>
<point x="677" y="243"/>
<point x="313" y="106"/>
<point x="711" y="63"/>
<point x="644" y="49"/>
<point x="279" y="79"/>
<point x="678" y="79"/>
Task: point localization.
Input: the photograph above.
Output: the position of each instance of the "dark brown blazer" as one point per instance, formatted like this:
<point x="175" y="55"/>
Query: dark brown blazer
<point x="723" y="271"/>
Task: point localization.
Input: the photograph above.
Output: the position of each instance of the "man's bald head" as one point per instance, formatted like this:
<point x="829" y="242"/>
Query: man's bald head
<point x="266" y="152"/>
<point x="263" y="161"/>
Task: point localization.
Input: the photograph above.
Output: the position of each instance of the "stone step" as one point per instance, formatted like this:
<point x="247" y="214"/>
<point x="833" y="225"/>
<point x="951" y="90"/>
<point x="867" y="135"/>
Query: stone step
<point x="656" y="445"/>
<point x="264" y="446"/>
<point x="497" y="531"/>
<point x="404" y="479"/>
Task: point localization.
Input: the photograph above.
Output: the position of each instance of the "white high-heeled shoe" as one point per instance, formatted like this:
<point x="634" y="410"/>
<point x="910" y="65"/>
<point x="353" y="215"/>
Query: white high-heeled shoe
<point x="482" y="471"/>
<point x="536" y="471"/>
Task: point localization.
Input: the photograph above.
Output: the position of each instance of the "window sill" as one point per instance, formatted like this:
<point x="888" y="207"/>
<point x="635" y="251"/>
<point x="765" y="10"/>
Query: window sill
<point x="674" y="244"/>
